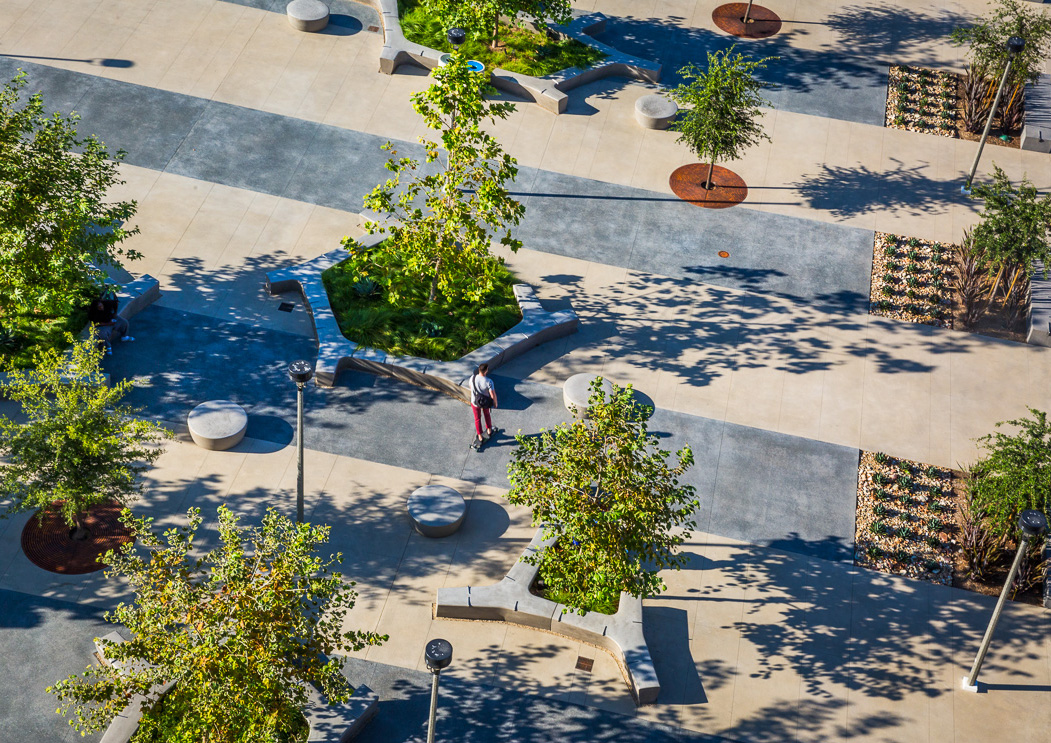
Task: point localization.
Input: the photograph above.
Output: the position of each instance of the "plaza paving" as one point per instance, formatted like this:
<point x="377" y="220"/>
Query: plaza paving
<point x="250" y="147"/>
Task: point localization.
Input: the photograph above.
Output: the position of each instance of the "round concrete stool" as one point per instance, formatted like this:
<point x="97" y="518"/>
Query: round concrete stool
<point x="307" y="15"/>
<point x="577" y="391"/>
<point x="655" y="111"/>
<point x="217" y="424"/>
<point x="436" y="510"/>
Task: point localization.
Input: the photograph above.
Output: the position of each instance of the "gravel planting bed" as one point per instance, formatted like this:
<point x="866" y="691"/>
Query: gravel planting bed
<point x="911" y="280"/>
<point x="906" y="518"/>
<point x="923" y="100"/>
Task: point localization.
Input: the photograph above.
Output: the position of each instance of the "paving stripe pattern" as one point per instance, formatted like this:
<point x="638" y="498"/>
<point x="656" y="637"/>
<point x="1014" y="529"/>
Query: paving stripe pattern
<point x="767" y="488"/>
<point x="825" y="264"/>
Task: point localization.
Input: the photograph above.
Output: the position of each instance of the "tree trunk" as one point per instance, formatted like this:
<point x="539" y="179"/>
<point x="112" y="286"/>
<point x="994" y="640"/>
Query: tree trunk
<point x="434" y="281"/>
<point x="747" y="12"/>
<point x="496" y="33"/>
<point x="711" y="171"/>
<point x="80" y="532"/>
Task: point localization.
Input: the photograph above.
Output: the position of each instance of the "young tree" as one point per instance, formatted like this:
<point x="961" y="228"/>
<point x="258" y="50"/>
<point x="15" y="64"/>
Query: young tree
<point x="80" y="446"/>
<point x="604" y="488"/>
<point x="57" y="232"/>
<point x="465" y="198"/>
<point x="240" y="629"/>
<point x="987" y="42"/>
<point x="482" y="17"/>
<point x="1013" y="230"/>
<point x="1013" y="473"/>
<point x="721" y="106"/>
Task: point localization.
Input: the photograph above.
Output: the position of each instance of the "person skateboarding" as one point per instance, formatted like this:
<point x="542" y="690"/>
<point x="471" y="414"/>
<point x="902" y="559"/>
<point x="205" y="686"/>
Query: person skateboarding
<point x="483" y="398"/>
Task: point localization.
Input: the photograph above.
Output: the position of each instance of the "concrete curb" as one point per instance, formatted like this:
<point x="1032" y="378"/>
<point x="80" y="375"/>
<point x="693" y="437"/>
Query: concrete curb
<point x="336" y="353"/>
<point x="510" y="600"/>
<point x="550" y="91"/>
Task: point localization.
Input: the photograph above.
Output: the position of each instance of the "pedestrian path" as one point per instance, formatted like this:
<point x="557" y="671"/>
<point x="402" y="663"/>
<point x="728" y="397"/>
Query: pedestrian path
<point x="750" y="643"/>
<point x="616" y="225"/>
<point x="752" y="485"/>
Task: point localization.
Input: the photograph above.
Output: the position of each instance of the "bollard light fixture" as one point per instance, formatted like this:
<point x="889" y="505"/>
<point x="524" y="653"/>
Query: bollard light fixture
<point x="438" y="654"/>
<point x="1033" y="525"/>
<point x="300" y="372"/>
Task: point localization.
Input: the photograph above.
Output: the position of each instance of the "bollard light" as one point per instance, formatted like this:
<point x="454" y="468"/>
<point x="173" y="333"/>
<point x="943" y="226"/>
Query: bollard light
<point x="439" y="654"/>
<point x="300" y="372"/>
<point x="456" y="36"/>
<point x="1033" y="525"/>
<point x="1015" y="45"/>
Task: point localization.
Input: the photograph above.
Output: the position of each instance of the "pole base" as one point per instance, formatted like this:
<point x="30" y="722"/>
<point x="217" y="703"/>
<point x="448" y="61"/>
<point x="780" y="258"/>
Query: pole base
<point x="968" y="687"/>
<point x="965" y="191"/>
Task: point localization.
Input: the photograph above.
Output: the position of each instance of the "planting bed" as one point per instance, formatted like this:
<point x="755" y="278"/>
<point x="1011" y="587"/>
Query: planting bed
<point x="932" y="102"/>
<point x="922" y="100"/>
<point x="911" y="280"/>
<point x="906" y="518"/>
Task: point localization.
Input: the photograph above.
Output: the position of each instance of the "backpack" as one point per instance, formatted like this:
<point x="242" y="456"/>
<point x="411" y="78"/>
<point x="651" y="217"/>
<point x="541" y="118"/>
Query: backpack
<point x="481" y="399"/>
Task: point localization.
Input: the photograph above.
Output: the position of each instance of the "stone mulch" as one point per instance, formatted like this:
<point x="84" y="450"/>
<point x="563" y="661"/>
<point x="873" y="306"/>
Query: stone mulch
<point x="923" y="100"/>
<point x="906" y="518"/>
<point x="911" y="280"/>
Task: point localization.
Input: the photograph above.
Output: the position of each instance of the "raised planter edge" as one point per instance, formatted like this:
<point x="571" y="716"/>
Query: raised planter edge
<point x="336" y="353"/>
<point x="511" y="601"/>
<point x="548" y="92"/>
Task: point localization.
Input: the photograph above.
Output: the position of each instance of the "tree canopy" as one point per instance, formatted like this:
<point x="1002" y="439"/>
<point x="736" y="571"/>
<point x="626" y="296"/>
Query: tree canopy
<point x="721" y="106"/>
<point x="240" y="629"/>
<point x="482" y="17"/>
<point x="81" y="445"/>
<point x="1014" y="222"/>
<point x="1013" y="473"/>
<point x="605" y="489"/>
<point x="450" y="207"/>
<point x="58" y="233"/>
<point x="987" y="40"/>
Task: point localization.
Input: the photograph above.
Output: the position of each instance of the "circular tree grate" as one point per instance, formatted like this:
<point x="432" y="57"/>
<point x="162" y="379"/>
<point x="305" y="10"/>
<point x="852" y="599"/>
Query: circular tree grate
<point x="727" y="190"/>
<point x="762" y="22"/>
<point x="47" y="543"/>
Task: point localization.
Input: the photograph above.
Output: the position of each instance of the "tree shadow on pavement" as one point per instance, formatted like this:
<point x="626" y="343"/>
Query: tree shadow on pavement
<point x="853" y="191"/>
<point x="886" y="33"/>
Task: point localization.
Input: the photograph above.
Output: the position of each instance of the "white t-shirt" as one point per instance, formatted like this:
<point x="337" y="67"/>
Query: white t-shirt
<point x="480" y="384"/>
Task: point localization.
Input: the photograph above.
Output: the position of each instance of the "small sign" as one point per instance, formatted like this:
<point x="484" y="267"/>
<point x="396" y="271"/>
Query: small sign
<point x="286" y="306"/>
<point x="585" y="664"/>
<point x="374" y="29"/>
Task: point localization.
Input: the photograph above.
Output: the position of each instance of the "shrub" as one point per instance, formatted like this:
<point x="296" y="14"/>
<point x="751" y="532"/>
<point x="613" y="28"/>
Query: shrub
<point x="1013" y="473"/>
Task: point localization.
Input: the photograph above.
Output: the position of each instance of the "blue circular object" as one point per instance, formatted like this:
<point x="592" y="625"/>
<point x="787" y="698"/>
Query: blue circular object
<point x="475" y="65"/>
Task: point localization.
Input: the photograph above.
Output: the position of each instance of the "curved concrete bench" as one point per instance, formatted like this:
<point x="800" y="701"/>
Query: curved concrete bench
<point x="336" y="353"/>
<point x="655" y="111"/>
<point x="548" y="92"/>
<point x="511" y="601"/>
<point x="307" y="15"/>
<point x="576" y="392"/>
<point x="436" y="510"/>
<point x="217" y="424"/>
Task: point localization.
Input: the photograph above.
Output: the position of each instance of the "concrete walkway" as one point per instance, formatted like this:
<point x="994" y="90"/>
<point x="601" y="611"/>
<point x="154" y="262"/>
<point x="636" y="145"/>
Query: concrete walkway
<point x="333" y="167"/>
<point x="765" y="362"/>
<point x="817" y="168"/>
<point x="751" y="643"/>
<point x="178" y="362"/>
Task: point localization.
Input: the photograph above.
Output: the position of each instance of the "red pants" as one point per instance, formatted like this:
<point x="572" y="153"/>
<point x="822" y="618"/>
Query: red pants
<point x="478" y="419"/>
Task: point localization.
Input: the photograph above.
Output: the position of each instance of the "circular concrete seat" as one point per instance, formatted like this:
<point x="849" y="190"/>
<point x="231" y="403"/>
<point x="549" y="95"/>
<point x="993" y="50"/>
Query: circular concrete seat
<point x="436" y="510"/>
<point x="655" y="111"/>
<point x="307" y="15"/>
<point x="577" y="391"/>
<point x="217" y="424"/>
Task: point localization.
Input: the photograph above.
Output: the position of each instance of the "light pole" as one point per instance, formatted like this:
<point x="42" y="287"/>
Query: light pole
<point x="1015" y="45"/>
<point x="456" y="37"/>
<point x="300" y="372"/>
<point x="438" y="654"/>
<point x="1033" y="525"/>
